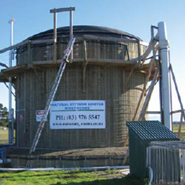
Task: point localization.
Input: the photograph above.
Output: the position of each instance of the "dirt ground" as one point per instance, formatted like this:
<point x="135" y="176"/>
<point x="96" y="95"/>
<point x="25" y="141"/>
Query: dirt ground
<point x="110" y="151"/>
<point x="90" y="152"/>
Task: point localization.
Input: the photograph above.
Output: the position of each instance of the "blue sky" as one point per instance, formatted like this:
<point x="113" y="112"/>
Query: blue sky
<point x="132" y="16"/>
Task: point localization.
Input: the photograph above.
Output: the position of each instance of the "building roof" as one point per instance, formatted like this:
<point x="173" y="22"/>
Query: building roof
<point x="84" y="30"/>
<point x="151" y="130"/>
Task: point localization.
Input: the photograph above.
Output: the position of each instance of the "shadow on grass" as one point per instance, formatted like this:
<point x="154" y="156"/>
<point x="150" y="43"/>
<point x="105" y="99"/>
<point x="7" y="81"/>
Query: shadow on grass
<point x="128" y="180"/>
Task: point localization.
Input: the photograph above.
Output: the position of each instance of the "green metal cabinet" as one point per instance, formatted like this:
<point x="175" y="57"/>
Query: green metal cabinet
<point x="141" y="133"/>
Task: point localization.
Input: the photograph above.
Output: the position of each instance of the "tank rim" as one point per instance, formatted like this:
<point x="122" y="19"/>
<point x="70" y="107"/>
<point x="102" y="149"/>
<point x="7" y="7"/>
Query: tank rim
<point x="80" y="30"/>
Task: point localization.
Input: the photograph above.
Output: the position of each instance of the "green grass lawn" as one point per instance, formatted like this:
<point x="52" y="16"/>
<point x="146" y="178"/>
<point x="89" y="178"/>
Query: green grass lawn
<point x="3" y="135"/>
<point x="74" y="177"/>
<point x="176" y="130"/>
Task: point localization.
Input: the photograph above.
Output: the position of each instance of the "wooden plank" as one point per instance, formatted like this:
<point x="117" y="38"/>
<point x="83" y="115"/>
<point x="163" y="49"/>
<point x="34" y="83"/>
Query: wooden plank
<point x="148" y="96"/>
<point x="27" y="108"/>
<point x="129" y="76"/>
<point x="139" y="50"/>
<point x="144" y="89"/>
<point x="14" y="68"/>
<point x="176" y="111"/>
<point x="29" y="54"/>
<point x="153" y="112"/>
<point x="16" y="46"/>
<point x="84" y="66"/>
<point x="148" y="50"/>
<point x="146" y="53"/>
<point x="45" y="41"/>
<point x="57" y="10"/>
<point x="55" y="38"/>
<point x="111" y="39"/>
<point x="101" y="60"/>
<point x="177" y="90"/>
<point x="3" y="78"/>
<point x="127" y="51"/>
<point x="39" y="80"/>
<point x="180" y="125"/>
<point x="126" y="156"/>
<point x="31" y="108"/>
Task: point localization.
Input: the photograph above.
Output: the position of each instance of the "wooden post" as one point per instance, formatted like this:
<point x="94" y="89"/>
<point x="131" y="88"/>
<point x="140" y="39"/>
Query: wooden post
<point x="144" y="89"/>
<point x="148" y="96"/>
<point x="55" y="38"/>
<point x="180" y="125"/>
<point x="139" y="50"/>
<point x="71" y="31"/>
<point x="177" y="91"/>
<point x="39" y="80"/>
<point x="129" y="77"/>
<point x="126" y="157"/>
<point x="84" y="66"/>
<point x="29" y="52"/>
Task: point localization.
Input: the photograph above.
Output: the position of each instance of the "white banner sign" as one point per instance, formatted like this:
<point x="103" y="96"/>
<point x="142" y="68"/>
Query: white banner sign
<point x="82" y="114"/>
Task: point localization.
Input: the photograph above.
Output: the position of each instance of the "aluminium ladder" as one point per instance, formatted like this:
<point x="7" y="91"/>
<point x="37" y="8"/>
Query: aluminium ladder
<point x="52" y="93"/>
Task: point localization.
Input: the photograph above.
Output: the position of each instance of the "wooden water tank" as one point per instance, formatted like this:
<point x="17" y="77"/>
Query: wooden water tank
<point x="99" y="71"/>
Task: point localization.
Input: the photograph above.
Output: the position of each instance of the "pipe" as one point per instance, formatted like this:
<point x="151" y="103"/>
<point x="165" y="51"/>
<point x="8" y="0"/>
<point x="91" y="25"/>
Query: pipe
<point x="7" y="161"/>
<point x="151" y="175"/>
<point x="10" y="136"/>
<point x="55" y="169"/>
<point x="160" y="91"/>
<point x="6" y="145"/>
<point x="160" y="78"/>
<point x="163" y="46"/>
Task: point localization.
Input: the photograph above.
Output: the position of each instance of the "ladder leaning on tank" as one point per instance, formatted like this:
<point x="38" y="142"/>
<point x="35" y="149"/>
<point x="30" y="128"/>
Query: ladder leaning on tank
<point x="52" y="93"/>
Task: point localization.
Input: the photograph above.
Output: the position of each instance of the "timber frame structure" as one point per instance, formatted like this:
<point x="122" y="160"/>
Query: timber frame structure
<point x="94" y="46"/>
<point x="146" y="60"/>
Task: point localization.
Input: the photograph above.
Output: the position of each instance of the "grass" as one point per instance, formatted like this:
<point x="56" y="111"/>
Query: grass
<point x="74" y="177"/>
<point x="3" y="133"/>
<point x="176" y="130"/>
<point x="3" y="136"/>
